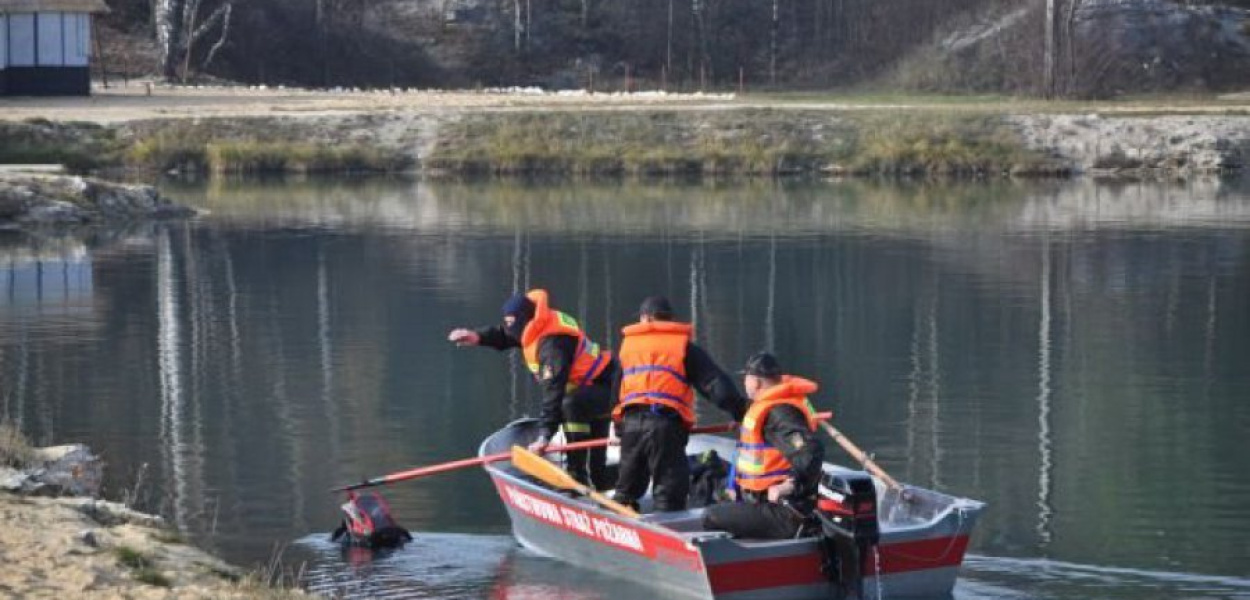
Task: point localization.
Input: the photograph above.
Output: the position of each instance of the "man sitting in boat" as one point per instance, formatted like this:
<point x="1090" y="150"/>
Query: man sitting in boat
<point x="575" y="374"/>
<point x="778" y="467"/>
<point x="660" y="371"/>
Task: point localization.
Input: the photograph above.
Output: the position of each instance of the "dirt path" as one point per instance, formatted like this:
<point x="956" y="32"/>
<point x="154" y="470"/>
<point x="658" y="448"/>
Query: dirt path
<point x="131" y="103"/>
<point x="119" y="104"/>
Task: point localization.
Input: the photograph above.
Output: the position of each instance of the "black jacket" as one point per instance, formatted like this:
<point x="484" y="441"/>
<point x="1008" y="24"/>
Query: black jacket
<point x="708" y="380"/>
<point x="555" y="359"/>
<point x="785" y="428"/>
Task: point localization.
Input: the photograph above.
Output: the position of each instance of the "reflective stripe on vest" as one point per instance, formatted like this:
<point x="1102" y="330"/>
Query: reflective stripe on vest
<point x="589" y="360"/>
<point x="760" y="465"/>
<point x="653" y="368"/>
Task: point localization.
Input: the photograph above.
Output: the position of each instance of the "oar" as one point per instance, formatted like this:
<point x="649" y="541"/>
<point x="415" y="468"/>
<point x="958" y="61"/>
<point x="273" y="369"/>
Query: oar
<point x="556" y="477"/>
<point x="859" y="455"/>
<point x="461" y="464"/>
<point x="501" y="456"/>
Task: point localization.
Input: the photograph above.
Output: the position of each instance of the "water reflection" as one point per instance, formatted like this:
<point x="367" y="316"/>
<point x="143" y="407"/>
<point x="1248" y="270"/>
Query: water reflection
<point x="1073" y="354"/>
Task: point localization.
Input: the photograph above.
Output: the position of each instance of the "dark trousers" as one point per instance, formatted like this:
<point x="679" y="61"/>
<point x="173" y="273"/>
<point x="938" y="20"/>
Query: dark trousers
<point x="755" y="519"/>
<point x="653" y="451"/>
<point x="588" y="415"/>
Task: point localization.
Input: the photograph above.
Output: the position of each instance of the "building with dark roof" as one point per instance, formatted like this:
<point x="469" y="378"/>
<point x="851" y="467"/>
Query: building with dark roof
<point x="45" y="47"/>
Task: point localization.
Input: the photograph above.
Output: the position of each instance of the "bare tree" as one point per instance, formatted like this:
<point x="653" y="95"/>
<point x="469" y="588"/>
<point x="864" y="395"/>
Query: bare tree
<point x="516" y="25"/>
<point x="178" y="29"/>
<point x="1069" y="36"/>
<point x="168" y="16"/>
<point x="1050" y="44"/>
<point x="772" y="44"/>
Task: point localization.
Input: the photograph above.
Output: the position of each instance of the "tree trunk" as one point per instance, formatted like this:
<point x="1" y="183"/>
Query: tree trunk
<point x="1069" y="35"/>
<point x="668" y="50"/>
<point x="192" y="10"/>
<point x="772" y="45"/>
<point x="516" y="26"/>
<point x="168" y="15"/>
<point x="1048" y="51"/>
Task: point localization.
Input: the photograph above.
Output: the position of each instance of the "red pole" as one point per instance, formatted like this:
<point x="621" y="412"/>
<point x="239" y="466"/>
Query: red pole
<point x="501" y="456"/>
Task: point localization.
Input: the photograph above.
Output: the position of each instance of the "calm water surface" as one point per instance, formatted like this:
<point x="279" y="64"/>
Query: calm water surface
<point x="1073" y="354"/>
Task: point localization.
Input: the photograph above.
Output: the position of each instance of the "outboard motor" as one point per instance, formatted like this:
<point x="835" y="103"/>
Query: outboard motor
<point x="847" y="512"/>
<point x="367" y="523"/>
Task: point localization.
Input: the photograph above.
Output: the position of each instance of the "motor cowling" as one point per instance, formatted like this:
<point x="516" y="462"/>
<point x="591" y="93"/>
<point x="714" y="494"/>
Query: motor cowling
<point x="846" y="510"/>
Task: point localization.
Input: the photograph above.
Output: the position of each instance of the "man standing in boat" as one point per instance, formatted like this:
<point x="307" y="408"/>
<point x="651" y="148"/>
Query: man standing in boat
<point x="660" y="371"/>
<point x="575" y="374"/>
<point x="778" y="468"/>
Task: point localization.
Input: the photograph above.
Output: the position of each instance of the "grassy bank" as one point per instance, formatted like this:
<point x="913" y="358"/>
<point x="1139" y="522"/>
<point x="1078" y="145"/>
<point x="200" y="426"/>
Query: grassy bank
<point x="80" y="146"/>
<point x="742" y="142"/>
<point x="652" y="142"/>
<point x="248" y="146"/>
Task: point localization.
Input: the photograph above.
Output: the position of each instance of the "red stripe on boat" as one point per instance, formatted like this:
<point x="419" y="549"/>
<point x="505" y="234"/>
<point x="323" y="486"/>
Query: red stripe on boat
<point x="610" y="530"/>
<point x="804" y="569"/>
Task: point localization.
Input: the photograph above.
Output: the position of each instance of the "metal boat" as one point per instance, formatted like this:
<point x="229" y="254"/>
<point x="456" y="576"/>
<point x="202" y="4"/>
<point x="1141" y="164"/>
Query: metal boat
<point x="922" y="538"/>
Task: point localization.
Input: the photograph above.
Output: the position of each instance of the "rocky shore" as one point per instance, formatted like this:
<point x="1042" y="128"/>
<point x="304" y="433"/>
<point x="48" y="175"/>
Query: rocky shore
<point x="29" y="200"/>
<point x="59" y="541"/>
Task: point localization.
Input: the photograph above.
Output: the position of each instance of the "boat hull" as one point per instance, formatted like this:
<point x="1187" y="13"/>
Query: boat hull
<point x="922" y="543"/>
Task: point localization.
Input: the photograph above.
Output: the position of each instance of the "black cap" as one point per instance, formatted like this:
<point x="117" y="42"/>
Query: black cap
<point x="519" y="306"/>
<point x="762" y="364"/>
<point x="656" y="306"/>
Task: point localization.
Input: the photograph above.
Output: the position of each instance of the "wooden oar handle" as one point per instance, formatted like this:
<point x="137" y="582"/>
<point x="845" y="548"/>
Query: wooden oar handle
<point x="859" y="455"/>
<point x="615" y="506"/>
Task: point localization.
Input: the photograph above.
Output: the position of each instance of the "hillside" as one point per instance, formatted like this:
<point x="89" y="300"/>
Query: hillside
<point x="1102" y="47"/>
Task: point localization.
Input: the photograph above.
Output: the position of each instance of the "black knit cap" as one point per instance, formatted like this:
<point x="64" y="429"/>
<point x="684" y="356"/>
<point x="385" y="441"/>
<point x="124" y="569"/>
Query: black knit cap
<point x="762" y="364"/>
<point x="656" y="306"/>
<point x="519" y="306"/>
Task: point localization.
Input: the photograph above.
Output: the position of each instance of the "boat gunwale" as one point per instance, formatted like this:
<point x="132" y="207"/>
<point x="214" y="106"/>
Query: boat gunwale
<point x="959" y="509"/>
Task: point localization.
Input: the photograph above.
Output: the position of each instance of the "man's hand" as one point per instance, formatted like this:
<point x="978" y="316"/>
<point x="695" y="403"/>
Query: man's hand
<point x="538" y="445"/>
<point x="464" y="337"/>
<point x="777" y="492"/>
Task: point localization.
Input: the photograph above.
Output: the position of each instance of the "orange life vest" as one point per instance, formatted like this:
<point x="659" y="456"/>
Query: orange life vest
<point x="588" y="362"/>
<point x="760" y="465"/>
<point x="653" y="368"/>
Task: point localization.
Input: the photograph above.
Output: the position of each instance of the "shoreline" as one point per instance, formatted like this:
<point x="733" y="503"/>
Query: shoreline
<point x="250" y="132"/>
<point x="62" y="541"/>
<point x="35" y="199"/>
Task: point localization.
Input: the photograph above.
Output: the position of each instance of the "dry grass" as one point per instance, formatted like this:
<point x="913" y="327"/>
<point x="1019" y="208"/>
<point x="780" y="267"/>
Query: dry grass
<point x="749" y="142"/>
<point x="141" y="566"/>
<point x="233" y="148"/>
<point x="941" y="144"/>
<point x="15" y="450"/>
<point x="81" y="147"/>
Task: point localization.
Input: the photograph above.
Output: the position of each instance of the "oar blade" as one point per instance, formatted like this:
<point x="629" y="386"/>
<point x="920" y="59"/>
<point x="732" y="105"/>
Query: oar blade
<point x="539" y="467"/>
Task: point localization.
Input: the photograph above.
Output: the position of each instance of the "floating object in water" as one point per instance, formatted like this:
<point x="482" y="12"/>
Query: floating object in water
<point x="367" y="523"/>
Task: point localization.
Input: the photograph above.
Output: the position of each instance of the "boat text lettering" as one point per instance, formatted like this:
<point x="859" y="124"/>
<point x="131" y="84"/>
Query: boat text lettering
<point x="576" y="520"/>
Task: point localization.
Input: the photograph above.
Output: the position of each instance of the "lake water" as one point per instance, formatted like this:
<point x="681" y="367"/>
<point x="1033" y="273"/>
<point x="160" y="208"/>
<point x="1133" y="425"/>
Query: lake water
<point x="1077" y="355"/>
